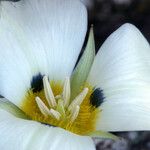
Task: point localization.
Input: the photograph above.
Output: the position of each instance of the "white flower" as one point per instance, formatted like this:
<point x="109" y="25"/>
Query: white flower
<point x="40" y="41"/>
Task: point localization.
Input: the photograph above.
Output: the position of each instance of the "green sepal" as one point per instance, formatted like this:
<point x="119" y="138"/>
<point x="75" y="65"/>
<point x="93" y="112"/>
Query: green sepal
<point x="12" y="108"/>
<point x="103" y="135"/>
<point x="80" y="74"/>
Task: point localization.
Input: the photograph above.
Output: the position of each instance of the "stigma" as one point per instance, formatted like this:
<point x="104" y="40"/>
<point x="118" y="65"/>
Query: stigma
<point x="60" y="107"/>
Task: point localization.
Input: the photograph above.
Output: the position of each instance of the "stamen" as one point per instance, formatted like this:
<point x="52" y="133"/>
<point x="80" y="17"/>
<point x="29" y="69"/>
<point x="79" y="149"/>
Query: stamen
<point x="42" y="107"/>
<point x="48" y="92"/>
<point x="62" y="109"/>
<point x="55" y="114"/>
<point x="66" y="92"/>
<point x="79" y="99"/>
<point x="74" y="114"/>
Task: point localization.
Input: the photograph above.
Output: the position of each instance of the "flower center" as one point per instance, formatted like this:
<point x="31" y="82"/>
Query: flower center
<point x="53" y="105"/>
<point x="61" y="109"/>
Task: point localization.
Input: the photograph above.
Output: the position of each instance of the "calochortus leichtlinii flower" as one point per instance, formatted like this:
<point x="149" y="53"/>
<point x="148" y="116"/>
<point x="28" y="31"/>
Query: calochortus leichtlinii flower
<point x="50" y="105"/>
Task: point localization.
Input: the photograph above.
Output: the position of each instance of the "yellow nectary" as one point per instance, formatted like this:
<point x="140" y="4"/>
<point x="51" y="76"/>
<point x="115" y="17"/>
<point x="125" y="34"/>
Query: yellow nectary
<point x="83" y="123"/>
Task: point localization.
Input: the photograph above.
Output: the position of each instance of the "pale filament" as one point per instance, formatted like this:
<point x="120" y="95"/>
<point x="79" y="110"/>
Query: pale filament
<point x="58" y="109"/>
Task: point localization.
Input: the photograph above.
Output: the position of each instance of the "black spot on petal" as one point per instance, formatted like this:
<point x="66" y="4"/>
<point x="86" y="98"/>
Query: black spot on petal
<point x="37" y="83"/>
<point x="97" y="97"/>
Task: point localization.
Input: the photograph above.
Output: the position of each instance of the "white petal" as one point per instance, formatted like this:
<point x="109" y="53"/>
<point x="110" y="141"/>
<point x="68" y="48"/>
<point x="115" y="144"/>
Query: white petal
<point x="18" y="134"/>
<point x="38" y="37"/>
<point x="126" y="110"/>
<point x="122" y="70"/>
<point x="15" y="72"/>
<point x="55" y="31"/>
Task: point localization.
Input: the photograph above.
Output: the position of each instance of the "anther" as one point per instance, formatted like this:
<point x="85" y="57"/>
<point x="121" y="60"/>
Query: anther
<point x="79" y="99"/>
<point x="66" y="92"/>
<point x="42" y="107"/>
<point x="55" y="114"/>
<point x="48" y="92"/>
<point x="74" y="113"/>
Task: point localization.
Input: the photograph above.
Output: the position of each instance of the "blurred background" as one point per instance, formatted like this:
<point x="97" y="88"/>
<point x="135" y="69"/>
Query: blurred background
<point x="107" y="16"/>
